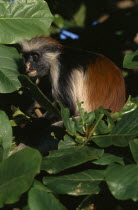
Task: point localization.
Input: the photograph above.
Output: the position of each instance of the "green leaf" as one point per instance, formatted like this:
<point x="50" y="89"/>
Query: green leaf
<point x="130" y="106"/>
<point x="68" y="123"/>
<point x="66" y="158"/>
<point x="102" y="126"/>
<point x="58" y="21"/>
<point x="128" y="60"/>
<point x="135" y="101"/>
<point x="5" y="135"/>
<point x="83" y="183"/>
<point x="26" y="208"/>
<point x="134" y="149"/>
<point x="87" y="203"/>
<point x="23" y="19"/>
<point x="85" y="119"/>
<point x="19" y="118"/>
<point x="79" y="17"/>
<point x="107" y="159"/>
<point x="79" y="121"/>
<point x="9" y="59"/>
<point x="17" y="174"/>
<point x="122" y="133"/>
<point x="126" y="129"/>
<point x="41" y="198"/>
<point x="81" y="113"/>
<point x="89" y="118"/>
<point x="123" y="181"/>
<point x="66" y="143"/>
<point x="103" y="140"/>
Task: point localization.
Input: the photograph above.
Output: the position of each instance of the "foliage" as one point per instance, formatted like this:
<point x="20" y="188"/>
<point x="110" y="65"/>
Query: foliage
<point x="9" y="59"/>
<point x="129" y="61"/>
<point x="17" y="174"/>
<point x="98" y="149"/>
<point x="5" y="135"/>
<point x="23" y="20"/>
<point x="76" y="149"/>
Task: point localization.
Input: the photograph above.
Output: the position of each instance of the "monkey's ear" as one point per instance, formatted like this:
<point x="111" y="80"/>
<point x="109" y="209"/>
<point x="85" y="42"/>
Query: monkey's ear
<point x="18" y="48"/>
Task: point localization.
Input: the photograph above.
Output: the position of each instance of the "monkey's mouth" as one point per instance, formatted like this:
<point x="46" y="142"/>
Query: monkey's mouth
<point x="32" y="73"/>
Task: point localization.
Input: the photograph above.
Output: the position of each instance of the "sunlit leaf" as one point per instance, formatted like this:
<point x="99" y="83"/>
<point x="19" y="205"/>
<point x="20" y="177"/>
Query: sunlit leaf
<point x="23" y="19"/>
<point x="128" y="62"/>
<point x="79" y="17"/>
<point x="9" y="59"/>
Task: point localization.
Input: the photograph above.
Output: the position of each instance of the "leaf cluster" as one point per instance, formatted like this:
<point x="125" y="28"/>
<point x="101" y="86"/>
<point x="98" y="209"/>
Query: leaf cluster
<point x="90" y="138"/>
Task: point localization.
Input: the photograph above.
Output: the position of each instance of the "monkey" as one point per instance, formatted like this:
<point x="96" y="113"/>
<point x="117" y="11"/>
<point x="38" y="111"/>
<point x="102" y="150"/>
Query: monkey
<point x="75" y="75"/>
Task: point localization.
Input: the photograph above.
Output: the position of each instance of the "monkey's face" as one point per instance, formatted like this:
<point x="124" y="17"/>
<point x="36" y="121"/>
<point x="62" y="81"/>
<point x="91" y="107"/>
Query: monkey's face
<point x="36" y="65"/>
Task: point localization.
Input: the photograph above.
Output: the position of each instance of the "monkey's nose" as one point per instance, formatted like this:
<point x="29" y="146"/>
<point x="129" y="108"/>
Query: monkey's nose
<point x="28" y="65"/>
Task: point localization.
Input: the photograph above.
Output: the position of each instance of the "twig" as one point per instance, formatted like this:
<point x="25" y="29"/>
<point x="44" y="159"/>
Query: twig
<point x="18" y="148"/>
<point x="38" y="95"/>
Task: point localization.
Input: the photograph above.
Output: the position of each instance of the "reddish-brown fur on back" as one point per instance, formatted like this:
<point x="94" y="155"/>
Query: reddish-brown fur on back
<point x="105" y="85"/>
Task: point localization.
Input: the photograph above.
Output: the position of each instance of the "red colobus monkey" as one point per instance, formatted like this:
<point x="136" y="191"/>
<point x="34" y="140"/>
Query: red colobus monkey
<point x="76" y="75"/>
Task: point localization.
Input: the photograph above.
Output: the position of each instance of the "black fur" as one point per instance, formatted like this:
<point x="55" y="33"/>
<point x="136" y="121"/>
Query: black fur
<point x="71" y="59"/>
<point x="68" y="60"/>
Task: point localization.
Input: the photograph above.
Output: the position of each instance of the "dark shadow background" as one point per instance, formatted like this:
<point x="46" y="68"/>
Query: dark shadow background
<point x="111" y="38"/>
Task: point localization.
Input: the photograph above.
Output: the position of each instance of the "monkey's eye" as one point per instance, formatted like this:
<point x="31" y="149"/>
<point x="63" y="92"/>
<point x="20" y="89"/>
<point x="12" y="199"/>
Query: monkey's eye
<point x="35" y="57"/>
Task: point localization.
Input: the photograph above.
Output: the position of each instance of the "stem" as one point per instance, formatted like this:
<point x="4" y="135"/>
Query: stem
<point x="41" y="99"/>
<point x="92" y="131"/>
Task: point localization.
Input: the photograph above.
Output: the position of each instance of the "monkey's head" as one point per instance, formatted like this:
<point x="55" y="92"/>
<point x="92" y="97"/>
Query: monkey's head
<point x="39" y="53"/>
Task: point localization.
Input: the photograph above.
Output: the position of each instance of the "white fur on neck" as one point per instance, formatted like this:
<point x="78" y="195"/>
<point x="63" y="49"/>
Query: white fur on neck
<point x="54" y="72"/>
